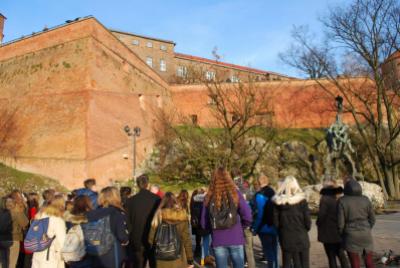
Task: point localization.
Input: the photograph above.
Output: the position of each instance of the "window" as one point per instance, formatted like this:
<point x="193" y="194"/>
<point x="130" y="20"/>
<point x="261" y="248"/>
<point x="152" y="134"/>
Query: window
<point x="194" y="119"/>
<point x="212" y="99"/>
<point x="182" y="71"/>
<point x="163" y="65"/>
<point x="235" y="118"/>
<point x="163" y="47"/>
<point x="210" y="75"/>
<point x="141" y="102"/>
<point x="234" y="79"/>
<point x="149" y="61"/>
<point x="135" y="42"/>
<point x="149" y="44"/>
<point x="159" y="101"/>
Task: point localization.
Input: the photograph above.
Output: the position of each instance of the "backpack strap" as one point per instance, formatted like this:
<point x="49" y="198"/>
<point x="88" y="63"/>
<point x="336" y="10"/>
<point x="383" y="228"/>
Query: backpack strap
<point x="48" y="254"/>
<point x="116" y="258"/>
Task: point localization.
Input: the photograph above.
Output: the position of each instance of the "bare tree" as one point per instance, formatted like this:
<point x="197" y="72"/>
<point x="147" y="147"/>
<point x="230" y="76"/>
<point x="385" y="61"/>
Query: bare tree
<point x="368" y="31"/>
<point x="299" y="56"/>
<point x="238" y="133"/>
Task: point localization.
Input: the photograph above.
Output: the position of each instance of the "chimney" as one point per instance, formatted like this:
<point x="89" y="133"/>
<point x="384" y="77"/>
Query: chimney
<point x="2" y="19"/>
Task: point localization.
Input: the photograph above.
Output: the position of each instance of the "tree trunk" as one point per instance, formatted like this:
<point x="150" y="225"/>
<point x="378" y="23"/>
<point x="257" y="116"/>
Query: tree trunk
<point x="388" y="174"/>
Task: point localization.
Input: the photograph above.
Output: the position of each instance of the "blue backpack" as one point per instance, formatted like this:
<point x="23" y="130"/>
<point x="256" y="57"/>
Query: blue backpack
<point x="36" y="239"/>
<point x="99" y="239"/>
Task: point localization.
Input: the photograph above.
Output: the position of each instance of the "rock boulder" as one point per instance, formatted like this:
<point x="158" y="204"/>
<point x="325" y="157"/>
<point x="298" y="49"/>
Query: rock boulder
<point x="371" y="190"/>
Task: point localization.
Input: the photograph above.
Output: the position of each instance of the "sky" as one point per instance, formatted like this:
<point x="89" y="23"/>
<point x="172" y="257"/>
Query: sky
<point x="246" y="32"/>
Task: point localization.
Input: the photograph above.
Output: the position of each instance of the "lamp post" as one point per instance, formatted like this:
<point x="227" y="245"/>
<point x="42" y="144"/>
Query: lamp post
<point x="135" y="132"/>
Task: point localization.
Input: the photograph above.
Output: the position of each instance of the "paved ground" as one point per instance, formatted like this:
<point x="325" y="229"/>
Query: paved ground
<point x="386" y="235"/>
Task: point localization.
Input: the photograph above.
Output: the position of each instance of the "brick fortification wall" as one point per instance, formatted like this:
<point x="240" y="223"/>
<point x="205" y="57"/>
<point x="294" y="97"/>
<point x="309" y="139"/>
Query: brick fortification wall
<point x="74" y="89"/>
<point x="294" y="103"/>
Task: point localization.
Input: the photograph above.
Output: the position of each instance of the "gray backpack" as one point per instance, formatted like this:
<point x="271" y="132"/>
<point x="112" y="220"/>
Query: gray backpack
<point x="74" y="245"/>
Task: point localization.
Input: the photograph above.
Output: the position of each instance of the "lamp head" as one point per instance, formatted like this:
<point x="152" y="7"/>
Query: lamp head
<point x="127" y="130"/>
<point x="137" y="130"/>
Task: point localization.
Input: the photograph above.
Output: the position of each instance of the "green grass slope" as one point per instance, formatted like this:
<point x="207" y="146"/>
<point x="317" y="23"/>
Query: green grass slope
<point x="11" y="179"/>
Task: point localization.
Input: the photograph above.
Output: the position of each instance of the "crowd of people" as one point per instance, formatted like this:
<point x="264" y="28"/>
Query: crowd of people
<point x="113" y="228"/>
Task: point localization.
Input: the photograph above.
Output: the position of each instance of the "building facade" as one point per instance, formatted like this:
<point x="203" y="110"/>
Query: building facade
<point x="178" y="68"/>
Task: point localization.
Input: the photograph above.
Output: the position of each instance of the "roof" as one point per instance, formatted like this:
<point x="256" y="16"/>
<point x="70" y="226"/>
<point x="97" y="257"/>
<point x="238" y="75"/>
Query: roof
<point x="393" y="56"/>
<point x="142" y="36"/>
<point x="1" y="15"/>
<point x="224" y="64"/>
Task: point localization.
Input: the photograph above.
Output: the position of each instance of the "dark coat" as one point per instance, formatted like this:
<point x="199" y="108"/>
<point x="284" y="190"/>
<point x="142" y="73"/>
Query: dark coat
<point x="293" y="221"/>
<point x="196" y="207"/>
<point x="328" y="231"/>
<point x="140" y="211"/>
<point x="355" y="219"/>
<point x="120" y="230"/>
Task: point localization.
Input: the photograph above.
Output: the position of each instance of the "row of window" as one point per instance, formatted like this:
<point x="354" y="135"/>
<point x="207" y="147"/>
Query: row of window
<point x="163" y="64"/>
<point x="149" y="44"/>
<point x="182" y="71"/>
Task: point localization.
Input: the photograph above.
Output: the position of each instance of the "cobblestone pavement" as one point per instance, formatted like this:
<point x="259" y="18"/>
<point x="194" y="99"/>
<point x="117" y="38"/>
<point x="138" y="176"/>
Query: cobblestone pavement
<point x="386" y="235"/>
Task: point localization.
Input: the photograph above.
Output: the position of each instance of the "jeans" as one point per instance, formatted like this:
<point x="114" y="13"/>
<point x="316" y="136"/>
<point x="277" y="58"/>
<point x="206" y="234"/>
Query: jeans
<point x="355" y="259"/>
<point x="333" y="251"/>
<point x="235" y="253"/>
<point x="300" y="259"/>
<point x="248" y="248"/>
<point x="206" y="245"/>
<point x="270" y="249"/>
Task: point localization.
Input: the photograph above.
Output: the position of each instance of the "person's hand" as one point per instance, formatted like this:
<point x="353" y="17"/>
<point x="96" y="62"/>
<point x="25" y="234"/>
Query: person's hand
<point x="190" y="266"/>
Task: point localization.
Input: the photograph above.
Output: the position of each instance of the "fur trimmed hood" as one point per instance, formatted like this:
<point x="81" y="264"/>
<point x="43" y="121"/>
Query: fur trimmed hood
<point x="199" y="197"/>
<point x="74" y="219"/>
<point x="331" y="190"/>
<point x="174" y="215"/>
<point x="283" y="199"/>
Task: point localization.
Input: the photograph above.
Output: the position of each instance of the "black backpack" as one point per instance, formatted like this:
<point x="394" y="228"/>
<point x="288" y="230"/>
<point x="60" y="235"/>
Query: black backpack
<point x="196" y="214"/>
<point x="225" y="217"/>
<point x="167" y="243"/>
<point x="268" y="211"/>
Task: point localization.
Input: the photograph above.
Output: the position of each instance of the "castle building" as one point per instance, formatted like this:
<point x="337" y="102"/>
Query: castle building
<point x="175" y="67"/>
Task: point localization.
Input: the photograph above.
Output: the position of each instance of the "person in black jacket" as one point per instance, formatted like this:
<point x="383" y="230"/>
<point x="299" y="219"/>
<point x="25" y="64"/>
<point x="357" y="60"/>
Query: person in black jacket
<point x="293" y="221"/>
<point x="328" y="231"/>
<point x="110" y="205"/>
<point x="355" y="220"/>
<point x="141" y="208"/>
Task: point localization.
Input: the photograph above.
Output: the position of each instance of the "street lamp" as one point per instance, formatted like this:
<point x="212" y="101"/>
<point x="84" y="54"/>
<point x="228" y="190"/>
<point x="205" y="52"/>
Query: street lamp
<point x="135" y="132"/>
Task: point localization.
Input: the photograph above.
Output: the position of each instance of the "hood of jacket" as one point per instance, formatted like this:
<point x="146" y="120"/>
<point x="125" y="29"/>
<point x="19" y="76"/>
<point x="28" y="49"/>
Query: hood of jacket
<point x="199" y="197"/>
<point x="170" y="215"/>
<point x="352" y="188"/>
<point x="267" y="191"/>
<point x="283" y="199"/>
<point x="75" y="219"/>
<point x="331" y="190"/>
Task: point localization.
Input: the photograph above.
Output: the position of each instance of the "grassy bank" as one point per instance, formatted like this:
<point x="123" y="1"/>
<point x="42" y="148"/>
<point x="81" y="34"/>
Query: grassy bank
<point x="11" y="179"/>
